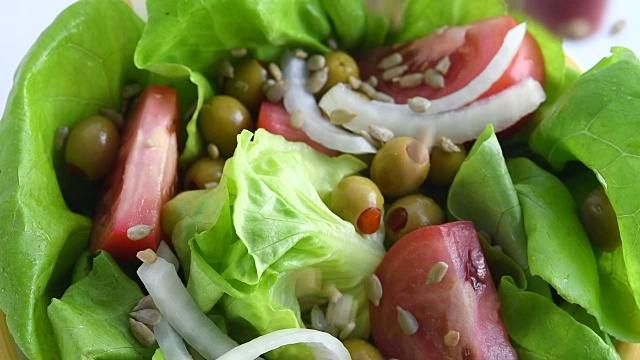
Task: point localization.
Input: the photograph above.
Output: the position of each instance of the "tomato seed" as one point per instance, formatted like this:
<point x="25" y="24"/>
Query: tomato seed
<point x="139" y="232"/>
<point x="408" y="323"/>
<point x="418" y="104"/>
<point x="390" y="61"/>
<point x="452" y="338"/>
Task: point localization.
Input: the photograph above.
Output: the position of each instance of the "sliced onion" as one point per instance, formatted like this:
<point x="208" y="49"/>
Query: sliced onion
<point x="170" y="342"/>
<point x="315" y="125"/>
<point x="323" y="345"/>
<point x="165" y="252"/>
<point x="181" y="311"/>
<point x="502" y="110"/>
<point x="483" y="81"/>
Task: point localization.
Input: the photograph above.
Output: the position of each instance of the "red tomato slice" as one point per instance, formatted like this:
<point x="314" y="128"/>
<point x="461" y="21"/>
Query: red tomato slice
<point x="145" y="176"/>
<point x="275" y="119"/>
<point x="470" y="49"/>
<point x="464" y="304"/>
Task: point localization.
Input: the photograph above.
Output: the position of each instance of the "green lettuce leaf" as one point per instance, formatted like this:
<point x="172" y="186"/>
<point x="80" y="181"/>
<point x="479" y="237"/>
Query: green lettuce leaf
<point x="91" y="320"/>
<point x="560" y="252"/>
<point x="594" y="122"/>
<point x="270" y="221"/>
<point x="547" y="332"/>
<point x="77" y="66"/>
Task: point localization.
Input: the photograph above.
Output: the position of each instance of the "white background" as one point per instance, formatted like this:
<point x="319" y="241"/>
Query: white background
<point x="21" y="21"/>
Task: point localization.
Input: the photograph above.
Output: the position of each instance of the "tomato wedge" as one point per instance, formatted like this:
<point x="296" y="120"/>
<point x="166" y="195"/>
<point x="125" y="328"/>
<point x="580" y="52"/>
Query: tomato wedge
<point x="469" y="49"/>
<point x="275" y="119"/>
<point x="455" y="306"/>
<point x="144" y="178"/>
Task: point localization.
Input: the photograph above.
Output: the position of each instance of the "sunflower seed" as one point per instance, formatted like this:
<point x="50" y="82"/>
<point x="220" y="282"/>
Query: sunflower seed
<point x="411" y="80"/>
<point x="130" y="90"/>
<point x="266" y="85"/>
<point x="332" y="292"/>
<point x="366" y="88"/>
<point x="316" y="62"/>
<point x="142" y="333"/>
<point x="241" y="85"/>
<point x="437" y="272"/>
<point x="211" y="185"/>
<point x="317" y="80"/>
<point x="347" y="330"/>
<point x="239" y="52"/>
<point x="213" y="151"/>
<point x="434" y="79"/>
<point x="383" y="135"/>
<point x="300" y="54"/>
<point x="354" y="82"/>
<point x="297" y="118"/>
<point x="331" y="42"/>
<point x="147" y="256"/>
<point x="145" y="303"/>
<point x="226" y="70"/>
<point x="617" y="27"/>
<point x="441" y="30"/>
<point x="150" y="143"/>
<point x="341" y="116"/>
<point x="373" y="289"/>
<point x="139" y="232"/>
<point x="418" y="104"/>
<point x="373" y="81"/>
<point x="276" y="92"/>
<point x="149" y="317"/>
<point x="365" y="134"/>
<point x="389" y="61"/>
<point x="406" y="320"/>
<point x="449" y="146"/>
<point x="274" y="71"/>
<point x="62" y="133"/>
<point x="498" y="248"/>
<point x="452" y="338"/>
<point x="380" y="96"/>
<point x="443" y="65"/>
<point x="341" y="312"/>
<point x="394" y="72"/>
<point x="113" y="115"/>
<point x="318" y="320"/>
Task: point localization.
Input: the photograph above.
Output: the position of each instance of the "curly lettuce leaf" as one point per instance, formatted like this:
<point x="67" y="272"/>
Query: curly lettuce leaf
<point x="271" y="220"/>
<point x="594" y="122"/>
<point x="91" y="320"/>
<point x="77" y="66"/>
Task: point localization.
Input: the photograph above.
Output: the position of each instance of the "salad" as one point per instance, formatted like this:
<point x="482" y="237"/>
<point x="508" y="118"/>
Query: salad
<point x="309" y="178"/>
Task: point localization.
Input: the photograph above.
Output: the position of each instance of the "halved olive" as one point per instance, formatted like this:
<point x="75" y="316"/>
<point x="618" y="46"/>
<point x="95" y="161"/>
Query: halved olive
<point x="445" y="164"/>
<point x="600" y="221"/>
<point x="205" y="173"/>
<point x="409" y="213"/>
<point x="400" y="166"/>
<point x="246" y="84"/>
<point x="357" y="199"/>
<point x="92" y="147"/>
<point x="341" y="65"/>
<point x="221" y="119"/>
<point x="362" y="350"/>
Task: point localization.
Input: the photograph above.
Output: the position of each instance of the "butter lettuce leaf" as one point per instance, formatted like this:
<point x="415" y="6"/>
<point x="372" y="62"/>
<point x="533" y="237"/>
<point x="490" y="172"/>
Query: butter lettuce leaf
<point x="594" y="122"/>
<point x="266" y="222"/>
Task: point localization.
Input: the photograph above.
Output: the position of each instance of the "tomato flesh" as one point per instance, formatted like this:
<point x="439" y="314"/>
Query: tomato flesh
<point x="275" y="119"/>
<point x="464" y="301"/>
<point x="144" y="178"/>
<point x="470" y="49"/>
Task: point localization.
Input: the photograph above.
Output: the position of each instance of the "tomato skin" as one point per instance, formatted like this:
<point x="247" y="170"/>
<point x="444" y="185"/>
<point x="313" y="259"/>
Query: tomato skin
<point x="275" y="119"/>
<point x="145" y="176"/>
<point x="470" y="49"/>
<point x="465" y="300"/>
<point x="559" y="15"/>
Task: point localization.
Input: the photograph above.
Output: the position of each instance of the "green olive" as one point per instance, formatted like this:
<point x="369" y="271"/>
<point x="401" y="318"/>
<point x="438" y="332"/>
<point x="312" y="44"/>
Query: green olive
<point x="400" y="166"/>
<point x="205" y="173"/>
<point x="341" y="65"/>
<point x="445" y="165"/>
<point x="357" y="199"/>
<point x="409" y="213"/>
<point x="92" y="147"/>
<point x="362" y="350"/>
<point x="221" y="119"/>
<point x="246" y="84"/>
<point x="600" y="221"/>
